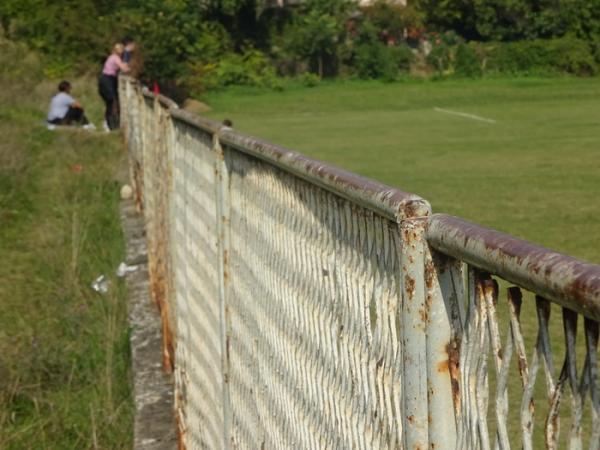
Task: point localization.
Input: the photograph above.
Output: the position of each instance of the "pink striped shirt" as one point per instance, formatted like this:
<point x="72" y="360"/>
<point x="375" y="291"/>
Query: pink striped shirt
<point x="112" y="65"/>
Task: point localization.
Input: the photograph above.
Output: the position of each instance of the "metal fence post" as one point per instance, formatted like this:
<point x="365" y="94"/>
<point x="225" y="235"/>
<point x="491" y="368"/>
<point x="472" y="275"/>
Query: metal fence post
<point x="223" y="238"/>
<point x="414" y="342"/>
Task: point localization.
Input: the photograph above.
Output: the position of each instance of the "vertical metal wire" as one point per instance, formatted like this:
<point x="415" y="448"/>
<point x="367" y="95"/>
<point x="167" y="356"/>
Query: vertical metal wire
<point x="444" y="317"/>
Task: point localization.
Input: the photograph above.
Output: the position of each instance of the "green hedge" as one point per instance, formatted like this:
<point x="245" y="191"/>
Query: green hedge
<point x="564" y="55"/>
<point x="378" y="60"/>
<point x="567" y="55"/>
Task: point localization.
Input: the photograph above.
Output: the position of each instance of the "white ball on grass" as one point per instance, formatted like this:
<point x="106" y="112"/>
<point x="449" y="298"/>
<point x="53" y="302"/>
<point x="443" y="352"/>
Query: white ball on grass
<point x="126" y="192"/>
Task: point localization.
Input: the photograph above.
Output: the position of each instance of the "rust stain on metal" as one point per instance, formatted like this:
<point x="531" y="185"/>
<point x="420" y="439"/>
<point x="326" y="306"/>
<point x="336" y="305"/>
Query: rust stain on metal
<point x="180" y="433"/>
<point x="228" y="346"/>
<point x="225" y="265"/>
<point x="443" y="366"/>
<point x="168" y="353"/>
<point x="489" y="286"/>
<point x="522" y="364"/>
<point x="453" y="351"/>
<point x="430" y="274"/>
<point x="410" y="286"/>
<point x="138" y="181"/>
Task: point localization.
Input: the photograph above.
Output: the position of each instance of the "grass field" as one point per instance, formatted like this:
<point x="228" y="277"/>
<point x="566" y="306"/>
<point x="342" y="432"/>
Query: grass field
<point x="64" y="349"/>
<point x="533" y="172"/>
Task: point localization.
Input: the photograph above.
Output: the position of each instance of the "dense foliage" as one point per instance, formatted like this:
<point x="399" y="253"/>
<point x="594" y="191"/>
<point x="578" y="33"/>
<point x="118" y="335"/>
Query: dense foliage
<point x="206" y="44"/>
<point x="509" y="20"/>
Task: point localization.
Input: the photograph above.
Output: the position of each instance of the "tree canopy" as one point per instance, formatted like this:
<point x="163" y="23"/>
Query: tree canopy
<point x="201" y="43"/>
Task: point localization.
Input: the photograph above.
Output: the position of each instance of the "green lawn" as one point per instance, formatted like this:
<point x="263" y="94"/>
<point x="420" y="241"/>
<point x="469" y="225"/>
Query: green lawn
<point x="533" y="173"/>
<point x="64" y="349"/>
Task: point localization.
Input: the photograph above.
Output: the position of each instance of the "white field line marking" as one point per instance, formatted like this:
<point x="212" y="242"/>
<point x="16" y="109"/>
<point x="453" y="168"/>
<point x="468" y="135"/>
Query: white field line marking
<point x="461" y="114"/>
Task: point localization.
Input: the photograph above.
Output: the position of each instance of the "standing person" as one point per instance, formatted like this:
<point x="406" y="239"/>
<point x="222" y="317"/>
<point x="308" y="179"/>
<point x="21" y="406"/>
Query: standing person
<point x="131" y="56"/>
<point x="65" y="110"/>
<point x="108" y="86"/>
<point x="129" y="44"/>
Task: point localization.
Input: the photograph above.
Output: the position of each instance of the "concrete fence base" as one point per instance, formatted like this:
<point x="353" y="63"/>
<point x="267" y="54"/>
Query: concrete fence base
<point x="154" y="427"/>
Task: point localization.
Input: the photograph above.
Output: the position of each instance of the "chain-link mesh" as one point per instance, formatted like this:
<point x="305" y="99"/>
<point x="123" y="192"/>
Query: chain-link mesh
<point x="314" y="350"/>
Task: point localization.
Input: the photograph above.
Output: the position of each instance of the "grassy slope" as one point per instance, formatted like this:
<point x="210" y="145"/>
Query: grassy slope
<point x="533" y="174"/>
<point x="64" y="351"/>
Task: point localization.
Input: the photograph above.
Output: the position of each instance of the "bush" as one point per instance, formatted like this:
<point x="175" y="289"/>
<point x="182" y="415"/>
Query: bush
<point x="441" y="58"/>
<point x="467" y="61"/>
<point x="377" y="60"/>
<point x="595" y="49"/>
<point x="573" y="56"/>
<point x="309" y="79"/>
<point x="373" y="57"/>
<point x="249" y="68"/>
<point x="443" y="52"/>
<point x="564" y="55"/>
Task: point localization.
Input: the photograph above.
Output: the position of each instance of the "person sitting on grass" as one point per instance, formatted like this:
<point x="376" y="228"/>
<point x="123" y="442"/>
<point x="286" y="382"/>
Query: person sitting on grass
<point x="65" y="110"/>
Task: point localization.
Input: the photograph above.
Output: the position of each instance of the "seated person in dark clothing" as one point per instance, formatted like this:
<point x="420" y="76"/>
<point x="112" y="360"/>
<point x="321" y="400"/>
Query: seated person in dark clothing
<point x="65" y="110"/>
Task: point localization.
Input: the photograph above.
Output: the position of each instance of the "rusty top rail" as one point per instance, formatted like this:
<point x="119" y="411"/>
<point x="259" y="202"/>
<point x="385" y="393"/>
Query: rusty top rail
<point x="388" y="201"/>
<point x="570" y="282"/>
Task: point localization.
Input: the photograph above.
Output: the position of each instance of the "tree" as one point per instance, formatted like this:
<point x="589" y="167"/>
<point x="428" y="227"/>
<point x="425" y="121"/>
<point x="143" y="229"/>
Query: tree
<point x="318" y="31"/>
<point x="392" y="19"/>
<point x="511" y="20"/>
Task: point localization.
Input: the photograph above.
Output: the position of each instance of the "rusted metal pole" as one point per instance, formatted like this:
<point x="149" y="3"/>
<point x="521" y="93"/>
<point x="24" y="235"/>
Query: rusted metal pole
<point x="414" y="339"/>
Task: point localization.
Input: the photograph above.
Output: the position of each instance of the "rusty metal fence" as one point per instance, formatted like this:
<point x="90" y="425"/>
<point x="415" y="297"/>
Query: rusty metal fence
<point x="305" y="307"/>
